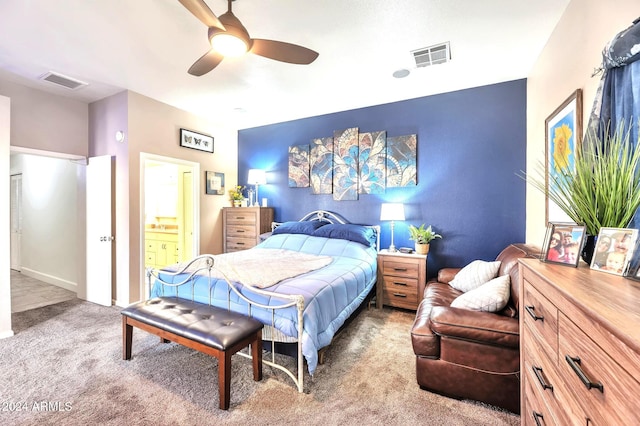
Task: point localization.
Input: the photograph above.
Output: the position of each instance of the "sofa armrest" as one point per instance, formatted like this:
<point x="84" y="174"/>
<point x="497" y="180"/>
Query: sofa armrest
<point x="484" y="327"/>
<point x="445" y="275"/>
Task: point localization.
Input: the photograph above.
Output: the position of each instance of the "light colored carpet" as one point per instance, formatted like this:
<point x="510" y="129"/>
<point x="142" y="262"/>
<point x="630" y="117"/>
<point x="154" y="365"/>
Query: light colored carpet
<point x="67" y="359"/>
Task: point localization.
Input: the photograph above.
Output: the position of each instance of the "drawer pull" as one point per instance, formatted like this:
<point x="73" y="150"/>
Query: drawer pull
<point x="400" y="269"/>
<point x="536" y="418"/>
<point x="530" y="310"/>
<point x="543" y="382"/>
<point x="239" y="231"/>
<point x="575" y="365"/>
<point x="240" y="217"/>
<point x="239" y="243"/>
<point x="399" y="295"/>
<point x="399" y="283"/>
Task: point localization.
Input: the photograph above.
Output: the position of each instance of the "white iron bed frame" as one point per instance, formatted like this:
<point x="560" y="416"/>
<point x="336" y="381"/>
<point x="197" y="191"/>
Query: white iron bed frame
<point x="269" y="333"/>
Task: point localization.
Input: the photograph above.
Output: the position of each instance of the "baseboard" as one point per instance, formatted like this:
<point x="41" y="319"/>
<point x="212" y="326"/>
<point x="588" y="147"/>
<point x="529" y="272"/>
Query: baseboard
<point x="50" y="279"/>
<point x="6" y="334"/>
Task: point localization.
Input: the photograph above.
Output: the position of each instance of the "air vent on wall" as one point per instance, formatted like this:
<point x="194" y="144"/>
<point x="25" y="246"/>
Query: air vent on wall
<point x="432" y="55"/>
<point x="62" y="80"/>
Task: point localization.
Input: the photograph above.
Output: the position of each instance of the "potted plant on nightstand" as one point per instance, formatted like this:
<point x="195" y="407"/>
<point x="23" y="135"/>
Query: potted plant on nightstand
<point x="236" y="196"/>
<point x="422" y="237"/>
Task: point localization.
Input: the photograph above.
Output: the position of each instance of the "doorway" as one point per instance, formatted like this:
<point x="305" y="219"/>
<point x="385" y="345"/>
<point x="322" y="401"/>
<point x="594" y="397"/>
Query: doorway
<point x="169" y="211"/>
<point x="45" y="228"/>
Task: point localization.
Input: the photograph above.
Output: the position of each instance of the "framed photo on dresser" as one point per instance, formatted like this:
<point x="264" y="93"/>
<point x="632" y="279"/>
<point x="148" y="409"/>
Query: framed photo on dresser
<point x="563" y="243"/>
<point x="614" y="251"/>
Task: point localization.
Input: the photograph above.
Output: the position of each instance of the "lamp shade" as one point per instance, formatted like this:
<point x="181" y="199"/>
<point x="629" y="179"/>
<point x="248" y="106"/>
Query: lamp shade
<point x="392" y="211"/>
<point x="257" y="177"/>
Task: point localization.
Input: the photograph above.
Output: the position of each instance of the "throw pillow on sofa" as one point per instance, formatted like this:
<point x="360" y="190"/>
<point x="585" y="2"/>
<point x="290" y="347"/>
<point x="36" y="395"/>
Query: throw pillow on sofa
<point x="489" y="297"/>
<point x="475" y="274"/>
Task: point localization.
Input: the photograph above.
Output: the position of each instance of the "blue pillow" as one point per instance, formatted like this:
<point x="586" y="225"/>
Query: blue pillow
<point x="294" y="227"/>
<point x="358" y="233"/>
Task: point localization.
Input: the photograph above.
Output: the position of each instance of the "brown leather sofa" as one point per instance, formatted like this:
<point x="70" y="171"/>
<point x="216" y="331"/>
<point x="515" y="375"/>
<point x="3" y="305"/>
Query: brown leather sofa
<point x="468" y="354"/>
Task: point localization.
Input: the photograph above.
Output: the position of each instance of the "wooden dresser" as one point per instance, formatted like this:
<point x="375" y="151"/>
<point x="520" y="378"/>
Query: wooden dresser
<point x="242" y="226"/>
<point x="580" y="346"/>
<point x="401" y="279"/>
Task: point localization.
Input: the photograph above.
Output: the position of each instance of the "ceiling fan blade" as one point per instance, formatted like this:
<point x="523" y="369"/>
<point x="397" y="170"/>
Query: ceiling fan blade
<point x="284" y="52"/>
<point x="206" y="63"/>
<point x="200" y="10"/>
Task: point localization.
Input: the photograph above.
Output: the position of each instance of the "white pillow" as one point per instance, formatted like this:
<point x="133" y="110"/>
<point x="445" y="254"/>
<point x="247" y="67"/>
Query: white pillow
<point x="489" y="297"/>
<point x="475" y="274"/>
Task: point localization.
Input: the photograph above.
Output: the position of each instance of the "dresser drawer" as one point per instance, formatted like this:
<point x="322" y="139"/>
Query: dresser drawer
<point x="535" y="412"/>
<point x="542" y="380"/>
<point x="400" y="269"/>
<point x="235" y="244"/>
<point x="542" y="318"/>
<point x="400" y="291"/>
<point x="400" y="298"/>
<point x="243" y="231"/>
<point x="241" y="217"/>
<point x="609" y="405"/>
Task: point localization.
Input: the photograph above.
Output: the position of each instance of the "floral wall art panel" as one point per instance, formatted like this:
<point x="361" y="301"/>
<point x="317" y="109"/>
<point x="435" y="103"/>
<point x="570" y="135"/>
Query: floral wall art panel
<point x="401" y="161"/>
<point x="345" y="164"/>
<point x="299" y="166"/>
<point x="371" y="162"/>
<point x="321" y="163"/>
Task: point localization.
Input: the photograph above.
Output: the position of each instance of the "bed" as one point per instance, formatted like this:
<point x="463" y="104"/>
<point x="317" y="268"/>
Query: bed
<point x="303" y="282"/>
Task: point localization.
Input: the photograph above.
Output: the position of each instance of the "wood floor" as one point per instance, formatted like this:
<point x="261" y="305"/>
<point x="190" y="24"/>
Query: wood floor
<point x="30" y="293"/>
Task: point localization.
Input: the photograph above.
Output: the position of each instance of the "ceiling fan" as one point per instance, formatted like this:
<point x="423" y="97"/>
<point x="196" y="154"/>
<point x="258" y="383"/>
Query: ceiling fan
<point x="228" y="37"/>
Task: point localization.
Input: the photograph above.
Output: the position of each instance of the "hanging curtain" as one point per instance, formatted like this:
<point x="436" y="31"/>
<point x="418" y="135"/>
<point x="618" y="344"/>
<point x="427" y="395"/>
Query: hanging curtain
<point x="618" y="96"/>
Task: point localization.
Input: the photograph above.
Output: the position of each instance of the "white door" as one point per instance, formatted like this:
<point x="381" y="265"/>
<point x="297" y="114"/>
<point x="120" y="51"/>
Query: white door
<point x="99" y="232"/>
<point x="16" y="221"/>
<point x="187" y="215"/>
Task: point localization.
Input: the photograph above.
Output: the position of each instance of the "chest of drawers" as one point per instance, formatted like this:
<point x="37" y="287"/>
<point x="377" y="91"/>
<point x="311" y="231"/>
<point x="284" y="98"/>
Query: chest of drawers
<point x="242" y="226"/>
<point x="401" y="279"/>
<point x="580" y="348"/>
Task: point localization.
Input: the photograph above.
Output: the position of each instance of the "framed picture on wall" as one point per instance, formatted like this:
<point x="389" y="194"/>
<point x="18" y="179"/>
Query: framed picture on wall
<point x="214" y="183"/>
<point x="193" y="140"/>
<point x="563" y="136"/>
<point x="614" y="250"/>
<point x="563" y="243"/>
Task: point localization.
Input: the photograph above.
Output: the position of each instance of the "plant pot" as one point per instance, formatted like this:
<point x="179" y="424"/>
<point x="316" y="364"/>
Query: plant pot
<point x="588" y="248"/>
<point x="422" y="248"/>
<point x="237" y="203"/>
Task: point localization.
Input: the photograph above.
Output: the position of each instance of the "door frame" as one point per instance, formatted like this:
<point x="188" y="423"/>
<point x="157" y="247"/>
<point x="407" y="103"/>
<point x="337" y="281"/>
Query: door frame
<point x="195" y="187"/>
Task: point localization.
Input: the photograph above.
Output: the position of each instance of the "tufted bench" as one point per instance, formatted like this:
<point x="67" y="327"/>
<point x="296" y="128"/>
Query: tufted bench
<point x="208" y="329"/>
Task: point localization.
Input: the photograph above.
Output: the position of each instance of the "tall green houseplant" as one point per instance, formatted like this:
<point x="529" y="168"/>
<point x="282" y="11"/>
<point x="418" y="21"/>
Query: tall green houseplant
<point x="603" y="189"/>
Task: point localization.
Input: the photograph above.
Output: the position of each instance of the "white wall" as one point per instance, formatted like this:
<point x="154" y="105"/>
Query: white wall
<point x="49" y="249"/>
<point x="5" y="276"/>
<point x="573" y="51"/>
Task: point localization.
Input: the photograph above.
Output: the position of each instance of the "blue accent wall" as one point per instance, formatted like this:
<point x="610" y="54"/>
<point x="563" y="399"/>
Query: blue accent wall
<point x="471" y="144"/>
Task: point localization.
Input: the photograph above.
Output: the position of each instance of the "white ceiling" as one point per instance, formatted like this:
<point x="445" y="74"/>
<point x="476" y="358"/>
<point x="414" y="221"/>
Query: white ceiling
<point x="147" y="46"/>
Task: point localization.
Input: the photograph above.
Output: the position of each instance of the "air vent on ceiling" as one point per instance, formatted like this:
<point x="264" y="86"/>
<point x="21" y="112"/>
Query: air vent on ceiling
<point x="432" y="55"/>
<point x="63" y="80"/>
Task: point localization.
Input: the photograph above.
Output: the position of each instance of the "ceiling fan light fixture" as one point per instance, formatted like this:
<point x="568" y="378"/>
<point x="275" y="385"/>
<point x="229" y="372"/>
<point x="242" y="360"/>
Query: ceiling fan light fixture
<point x="229" y="45"/>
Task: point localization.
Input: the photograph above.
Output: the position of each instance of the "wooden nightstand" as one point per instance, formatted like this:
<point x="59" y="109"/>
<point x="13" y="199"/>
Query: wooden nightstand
<point x="401" y="279"/>
<point x="242" y="226"/>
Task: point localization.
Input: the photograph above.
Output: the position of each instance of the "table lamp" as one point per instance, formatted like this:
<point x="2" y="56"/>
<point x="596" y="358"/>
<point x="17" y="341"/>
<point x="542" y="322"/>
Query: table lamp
<point x="392" y="212"/>
<point x="256" y="177"/>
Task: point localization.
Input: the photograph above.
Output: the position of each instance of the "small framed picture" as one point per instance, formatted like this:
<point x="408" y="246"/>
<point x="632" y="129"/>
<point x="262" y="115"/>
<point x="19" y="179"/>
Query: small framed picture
<point x="563" y="243"/>
<point x="193" y="140"/>
<point x="614" y="250"/>
<point x="214" y="183"/>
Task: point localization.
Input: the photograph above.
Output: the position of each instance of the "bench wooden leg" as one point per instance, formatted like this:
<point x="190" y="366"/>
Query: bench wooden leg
<point x="224" y="379"/>
<point x="256" y="355"/>
<point x="127" y="337"/>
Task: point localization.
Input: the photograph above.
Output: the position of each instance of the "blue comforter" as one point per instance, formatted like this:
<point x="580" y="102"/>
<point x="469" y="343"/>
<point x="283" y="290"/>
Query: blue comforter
<point x="331" y="294"/>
